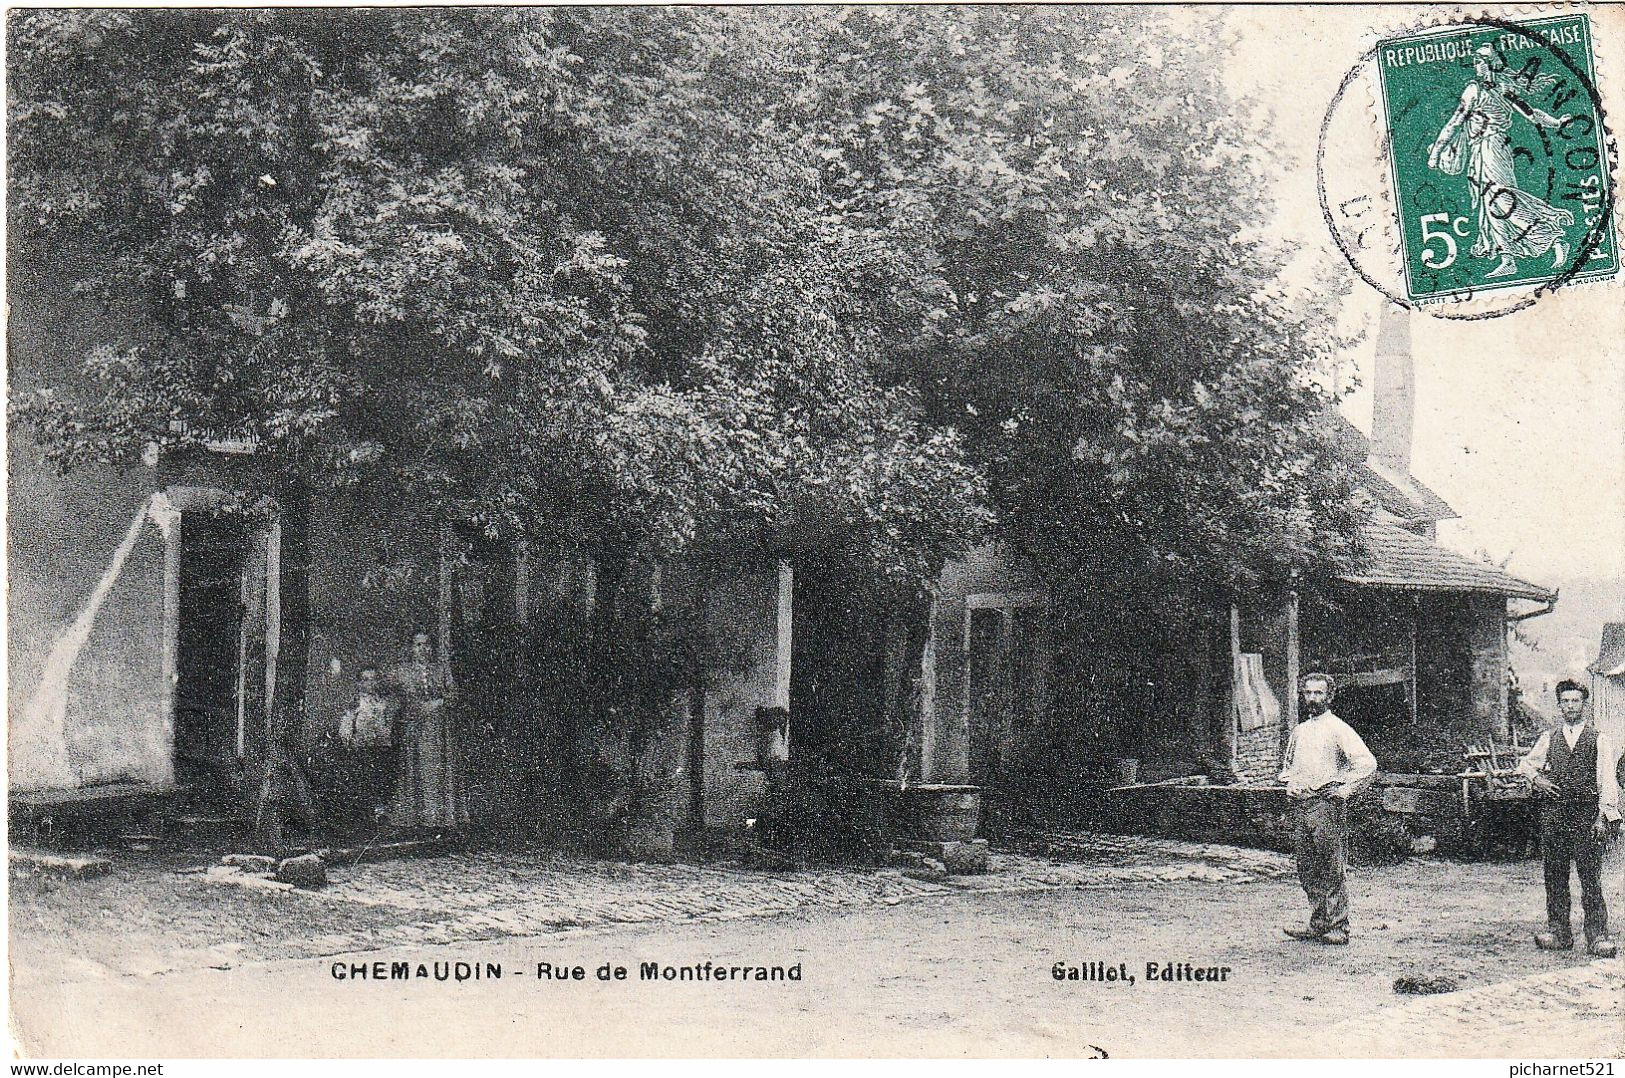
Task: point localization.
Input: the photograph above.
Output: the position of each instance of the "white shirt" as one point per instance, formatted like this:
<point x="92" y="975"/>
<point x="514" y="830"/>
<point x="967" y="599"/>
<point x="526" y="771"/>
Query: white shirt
<point x="1607" y="759"/>
<point x="367" y="725"/>
<point x="1325" y="750"/>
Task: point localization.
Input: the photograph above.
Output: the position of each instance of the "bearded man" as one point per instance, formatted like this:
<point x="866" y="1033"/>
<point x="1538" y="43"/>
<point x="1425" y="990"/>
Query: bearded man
<point x="1326" y="764"/>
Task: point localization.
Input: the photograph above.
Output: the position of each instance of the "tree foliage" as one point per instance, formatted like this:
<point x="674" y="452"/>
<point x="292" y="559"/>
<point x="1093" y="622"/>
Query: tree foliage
<point x="828" y="282"/>
<point x="1099" y="312"/>
<point x="534" y="269"/>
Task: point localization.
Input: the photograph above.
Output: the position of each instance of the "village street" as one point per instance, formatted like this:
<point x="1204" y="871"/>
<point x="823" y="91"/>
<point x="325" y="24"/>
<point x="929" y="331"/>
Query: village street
<point x="154" y="963"/>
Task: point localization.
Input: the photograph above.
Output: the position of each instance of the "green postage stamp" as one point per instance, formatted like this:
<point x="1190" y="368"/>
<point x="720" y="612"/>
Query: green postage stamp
<point x="1498" y="157"/>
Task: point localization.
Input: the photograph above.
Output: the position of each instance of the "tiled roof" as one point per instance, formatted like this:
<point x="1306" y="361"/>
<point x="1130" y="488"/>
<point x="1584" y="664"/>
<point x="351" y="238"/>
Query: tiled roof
<point x="1401" y="495"/>
<point x="1611" y="655"/>
<point x="1397" y="558"/>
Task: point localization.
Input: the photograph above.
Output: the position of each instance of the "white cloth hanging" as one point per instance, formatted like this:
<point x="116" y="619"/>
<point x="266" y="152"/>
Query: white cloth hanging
<point x="1255" y="702"/>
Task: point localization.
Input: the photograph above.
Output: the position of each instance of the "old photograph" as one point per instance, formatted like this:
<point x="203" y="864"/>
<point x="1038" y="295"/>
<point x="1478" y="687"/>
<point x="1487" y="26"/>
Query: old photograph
<point x="950" y="531"/>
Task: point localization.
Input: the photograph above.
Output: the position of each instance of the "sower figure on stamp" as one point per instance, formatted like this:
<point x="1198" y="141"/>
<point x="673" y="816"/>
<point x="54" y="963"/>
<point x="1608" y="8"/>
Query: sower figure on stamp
<point x="1326" y="764"/>
<point x="1512" y="222"/>
<point x="1572" y="771"/>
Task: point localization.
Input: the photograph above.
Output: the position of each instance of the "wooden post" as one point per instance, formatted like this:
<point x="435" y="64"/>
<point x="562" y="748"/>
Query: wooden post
<point x="785" y="637"/>
<point x="243" y="595"/>
<point x="928" y="695"/>
<point x="273" y="618"/>
<point x="1228" y="744"/>
<point x="170" y="660"/>
<point x="1414" y="682"/>
<point x="1294" y="668"/>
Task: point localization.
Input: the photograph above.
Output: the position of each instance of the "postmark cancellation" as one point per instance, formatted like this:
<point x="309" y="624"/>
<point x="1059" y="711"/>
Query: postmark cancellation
<point x="1497" y="157"/>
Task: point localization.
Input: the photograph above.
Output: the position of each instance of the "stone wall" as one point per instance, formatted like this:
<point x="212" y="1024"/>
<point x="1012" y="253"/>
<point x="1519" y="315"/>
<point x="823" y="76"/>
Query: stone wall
<point x="1258" y="754"/>
<point x="1487" y="666"/>
<point x="108" y="722"/>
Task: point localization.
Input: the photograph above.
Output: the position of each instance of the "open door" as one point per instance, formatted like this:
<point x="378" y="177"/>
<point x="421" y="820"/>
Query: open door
<point x="1006" y="698"/>
<point x="220" y="655"/>
<point x="838" y="675"/>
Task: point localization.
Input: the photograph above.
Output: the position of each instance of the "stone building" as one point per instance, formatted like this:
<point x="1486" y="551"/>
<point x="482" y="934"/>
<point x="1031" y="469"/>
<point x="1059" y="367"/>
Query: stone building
<point x="147" y="632"/>
<point x="146" y="640"/>
<point x="1416" y="636"/>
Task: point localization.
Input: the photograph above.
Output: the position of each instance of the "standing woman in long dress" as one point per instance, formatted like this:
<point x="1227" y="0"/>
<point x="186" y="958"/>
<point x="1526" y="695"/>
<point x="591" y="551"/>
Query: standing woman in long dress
<point x="430" y="793"/>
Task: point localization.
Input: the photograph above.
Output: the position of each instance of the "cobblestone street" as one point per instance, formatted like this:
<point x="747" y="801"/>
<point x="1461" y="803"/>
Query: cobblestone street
<point x="892" y="965"/>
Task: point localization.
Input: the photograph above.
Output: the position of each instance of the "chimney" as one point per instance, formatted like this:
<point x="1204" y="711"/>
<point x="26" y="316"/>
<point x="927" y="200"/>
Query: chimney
<point x="1394" y="391"/>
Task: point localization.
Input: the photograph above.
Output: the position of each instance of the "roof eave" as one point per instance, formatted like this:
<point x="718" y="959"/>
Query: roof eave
<point x="1531" y="592"/>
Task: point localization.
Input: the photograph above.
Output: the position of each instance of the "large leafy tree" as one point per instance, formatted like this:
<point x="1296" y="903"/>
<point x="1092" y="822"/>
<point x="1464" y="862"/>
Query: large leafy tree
<point x="1096" y="307"/>
<point x="830" y="283"/>
<point x="547" y="273"/>
<point x="513" y="262"/>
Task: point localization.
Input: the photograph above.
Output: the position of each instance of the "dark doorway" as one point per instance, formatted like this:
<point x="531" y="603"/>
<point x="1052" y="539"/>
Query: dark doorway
<point x="838" y="675"/>
<point x="1008" y="752"/>
<point x="210" y="694"/>
<point x="1373" y="706"/>
<point x="1006" y="691"/>
<point x="510" y="766"/>
<point x="990" y="704"/>
<point x="486" y="636"/>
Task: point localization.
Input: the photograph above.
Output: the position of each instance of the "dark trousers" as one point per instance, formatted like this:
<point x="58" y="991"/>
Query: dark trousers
<point x="368" y="779"/>
<point x="1566" y="838"/>
<point x="1322" y="845"/>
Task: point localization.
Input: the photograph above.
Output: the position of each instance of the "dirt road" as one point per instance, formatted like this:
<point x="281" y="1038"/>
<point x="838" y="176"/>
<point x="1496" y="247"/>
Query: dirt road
<point x="967" y="974"/>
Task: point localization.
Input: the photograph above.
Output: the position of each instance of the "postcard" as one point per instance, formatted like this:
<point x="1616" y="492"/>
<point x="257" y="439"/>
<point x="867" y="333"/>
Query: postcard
<point x="986" y="531"/>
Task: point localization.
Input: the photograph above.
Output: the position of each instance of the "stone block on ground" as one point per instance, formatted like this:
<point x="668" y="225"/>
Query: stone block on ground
<point x="928" y="869"/>
<point x="1424" y="986"/>
<point x="304" y="871"/>
<point x="958" y="858"/>
<point x="64" y="866"/>
<point x="250" y="862"/>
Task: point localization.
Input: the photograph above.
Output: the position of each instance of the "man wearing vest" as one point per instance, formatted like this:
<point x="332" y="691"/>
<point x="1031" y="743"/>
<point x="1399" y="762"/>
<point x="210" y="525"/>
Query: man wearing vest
<point x="1572" y="771"/>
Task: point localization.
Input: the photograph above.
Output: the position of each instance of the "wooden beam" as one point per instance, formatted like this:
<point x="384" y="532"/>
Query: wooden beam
<point x="1231" y="732"/>
<point x="273" y="619"/>
<point x="1367" y="679"/>
<point x="1412" y="682"/>
<point x="1294" y="664"/>
<point x="928" y="696"/>
<point x="785" y="637"/>
<point x="1007" y="688"/>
